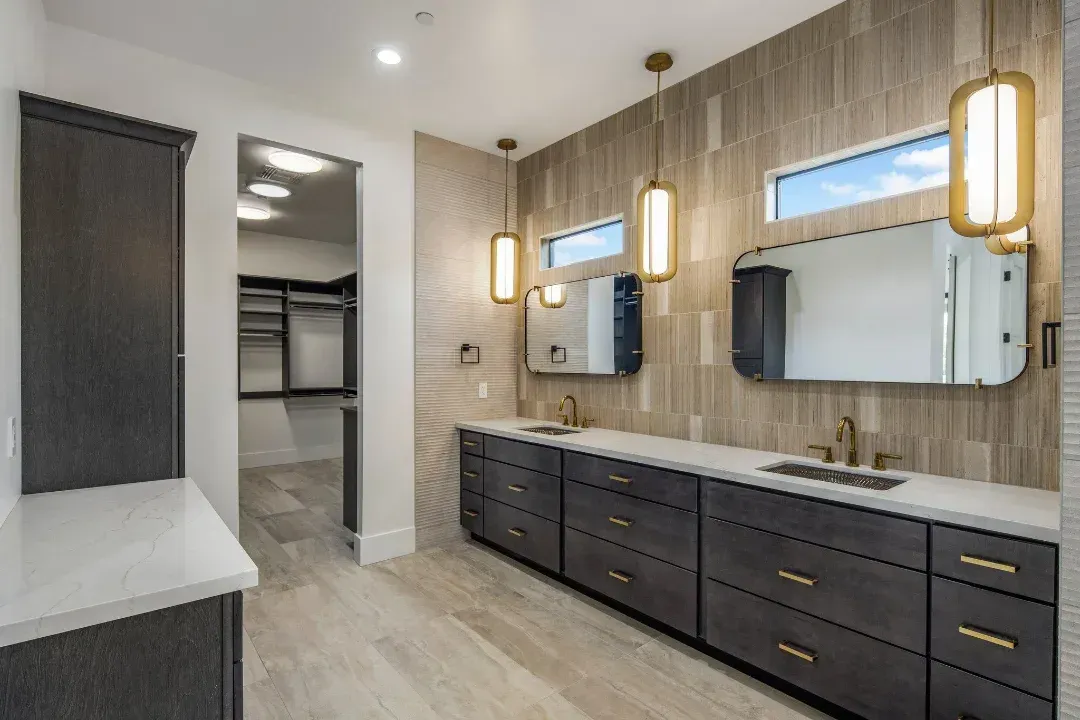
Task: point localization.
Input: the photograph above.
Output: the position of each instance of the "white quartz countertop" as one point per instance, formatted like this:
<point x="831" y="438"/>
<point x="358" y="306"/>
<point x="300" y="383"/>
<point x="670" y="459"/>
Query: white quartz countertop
<point x="77" y="558"/>
<point x="1023" y="512"/>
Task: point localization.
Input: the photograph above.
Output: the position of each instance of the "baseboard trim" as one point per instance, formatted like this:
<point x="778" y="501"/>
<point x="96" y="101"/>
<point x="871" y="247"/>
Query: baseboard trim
<point x="290" y="455"/>
<point x="371" y="549"/>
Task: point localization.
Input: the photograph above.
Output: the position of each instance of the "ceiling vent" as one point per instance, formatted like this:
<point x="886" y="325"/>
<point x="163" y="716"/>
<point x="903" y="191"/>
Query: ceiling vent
<point x="279" y="176"/>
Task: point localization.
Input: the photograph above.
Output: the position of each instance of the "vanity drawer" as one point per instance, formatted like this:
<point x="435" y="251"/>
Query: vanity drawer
<point x="662" y="486"/>
<point x="472" y="443"/>
<point x="957" y="694"/>
<point x="882" y="537"/>
<point x="520" y="532"/>
<point x="870" y="678"/>
<point x="472" y="512"/>
<point x="880" y="600"/>
<point x="1028" y="666"/>
<point x="1019" y="567"/>
<point x="524" y="489"/>
<point x="657" y="530"/>
<point x="472" y="473"/>
<point x="533" y="457"/>
<point x="661" y="591"/>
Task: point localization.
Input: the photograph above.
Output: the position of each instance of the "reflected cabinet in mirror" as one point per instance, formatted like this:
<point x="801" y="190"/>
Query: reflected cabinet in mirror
<point x="914" y="304"/>
<point x="588" y="327"/>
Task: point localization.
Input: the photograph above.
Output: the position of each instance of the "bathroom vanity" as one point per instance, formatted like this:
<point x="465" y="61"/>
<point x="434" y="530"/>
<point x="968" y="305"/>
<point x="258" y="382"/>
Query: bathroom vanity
<point x="933" y="599"/>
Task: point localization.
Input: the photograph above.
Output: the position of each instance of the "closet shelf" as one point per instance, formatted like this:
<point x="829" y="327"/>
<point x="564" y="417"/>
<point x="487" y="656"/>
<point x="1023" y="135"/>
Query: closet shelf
<point x="255" y="294"/>
<point x="316" y="306"/>
<point x="278" y="313"/>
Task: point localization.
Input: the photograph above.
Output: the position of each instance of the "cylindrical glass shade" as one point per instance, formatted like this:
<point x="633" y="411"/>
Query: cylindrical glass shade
<point x="657" y="232"/>
<point x="505" y="268"/>
<point x="996" y="101"/>
<point x="553" y="296"/>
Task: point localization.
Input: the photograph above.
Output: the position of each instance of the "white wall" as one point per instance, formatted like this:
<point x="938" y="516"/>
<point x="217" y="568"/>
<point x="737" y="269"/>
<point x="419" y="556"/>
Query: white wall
<point x="22" y="28"/>
<point x="106" y="74"/>
<point x="275" y="431"/>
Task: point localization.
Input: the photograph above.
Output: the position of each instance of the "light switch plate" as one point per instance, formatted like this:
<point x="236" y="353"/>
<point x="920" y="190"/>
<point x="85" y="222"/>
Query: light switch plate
<point x="483" y="391"/>
<point x="11" y="437"/>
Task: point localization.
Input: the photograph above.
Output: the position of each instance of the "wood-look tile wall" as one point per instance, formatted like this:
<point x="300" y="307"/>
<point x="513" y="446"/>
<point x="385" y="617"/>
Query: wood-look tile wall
<point x="459" y="206"/>
<point x="861" y="71"/>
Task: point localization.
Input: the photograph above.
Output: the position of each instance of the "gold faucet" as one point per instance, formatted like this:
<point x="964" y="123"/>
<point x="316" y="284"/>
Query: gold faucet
<point x="853" y="450"/>
<point x="562" y="414"/>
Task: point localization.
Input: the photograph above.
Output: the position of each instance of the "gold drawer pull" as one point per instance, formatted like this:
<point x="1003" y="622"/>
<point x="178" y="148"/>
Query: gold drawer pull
<point x="621" y="576"/>
<point x="517" y="532"/>
<point x="993" y="565"/>
<point x="621" y="479"/>
<point x="471" y="513"/>
<point x="470" y="473"/>
<point x="517" y="488"/>
<point x="788" y="575"/>
<point x="987" y="636"/>
<point x="806" y="655"/>
<point x="620" y="521"/>
<point x="469" y="443"/>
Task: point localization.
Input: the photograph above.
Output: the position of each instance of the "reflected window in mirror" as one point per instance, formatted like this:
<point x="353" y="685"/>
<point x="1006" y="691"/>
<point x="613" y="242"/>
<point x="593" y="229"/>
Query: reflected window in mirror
<point x="867" y="173"/>
<point x="588" y="242"/>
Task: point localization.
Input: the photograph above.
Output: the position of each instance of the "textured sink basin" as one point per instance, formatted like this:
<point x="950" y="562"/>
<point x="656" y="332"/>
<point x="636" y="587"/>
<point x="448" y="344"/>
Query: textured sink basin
<point x="548" y="430"/>
<point x="835" y="475"/>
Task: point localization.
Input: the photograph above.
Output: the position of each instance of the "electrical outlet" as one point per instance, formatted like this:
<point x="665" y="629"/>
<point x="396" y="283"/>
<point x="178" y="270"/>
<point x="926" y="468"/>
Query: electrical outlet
<point x="483" y="391"/>
<point x="11" y="437"/>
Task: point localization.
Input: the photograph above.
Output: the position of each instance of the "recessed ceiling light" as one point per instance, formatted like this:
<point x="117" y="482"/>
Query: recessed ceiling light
<point x="250" y="207"/>
<point x="388" y="56"/>
<point x="295" y="162"/>
<point x="269" y="190"/>
<point x="425" y="18"/>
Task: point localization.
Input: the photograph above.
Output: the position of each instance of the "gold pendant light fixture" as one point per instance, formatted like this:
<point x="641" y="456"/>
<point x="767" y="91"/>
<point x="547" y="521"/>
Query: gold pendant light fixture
<point x="505" y="245"/>
<point x="992" y="156"/>
<point x="657" y="206"/>
<point x="553" y="296"/>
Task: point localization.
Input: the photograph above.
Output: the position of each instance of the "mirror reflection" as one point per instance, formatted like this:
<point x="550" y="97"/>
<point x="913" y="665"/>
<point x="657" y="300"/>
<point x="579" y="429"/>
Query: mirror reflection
<point x="915" y="303"/>
<point x="588" y="327"/>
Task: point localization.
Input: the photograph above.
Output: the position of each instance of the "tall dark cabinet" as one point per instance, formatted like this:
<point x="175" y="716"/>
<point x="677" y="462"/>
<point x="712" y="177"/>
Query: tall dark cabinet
<point x="102" y="297"/>
<point x="759" y="321"/>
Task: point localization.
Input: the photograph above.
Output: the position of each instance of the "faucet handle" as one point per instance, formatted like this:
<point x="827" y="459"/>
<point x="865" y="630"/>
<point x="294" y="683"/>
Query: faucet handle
<point x="880" y="457"/>
<point x="585" y="422"/>
<point x="564" y="417"/>
<point x="826" y="449"/>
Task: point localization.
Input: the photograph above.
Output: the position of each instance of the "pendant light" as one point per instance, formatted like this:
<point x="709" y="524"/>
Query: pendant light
<point x="505" y="245"/>
<point x="657" y="206"/>
<point x="992" y="183"/>
<point x="553" y="296"/>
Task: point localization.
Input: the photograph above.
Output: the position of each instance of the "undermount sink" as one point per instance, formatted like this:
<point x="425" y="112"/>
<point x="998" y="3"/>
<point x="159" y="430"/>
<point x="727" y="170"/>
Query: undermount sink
<point x="548" y="430"/>
<point x="833" y="475"/>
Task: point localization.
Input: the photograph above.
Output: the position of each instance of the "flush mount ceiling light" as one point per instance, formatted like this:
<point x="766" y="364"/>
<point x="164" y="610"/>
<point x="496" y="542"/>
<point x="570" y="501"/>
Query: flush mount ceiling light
<point x="252" y="207"/>
<point x="657" y="206"/>
<point x="992" y="184"/>
<point x="505" y="245"/>
<point x="388" y="56"/>
<point x="553" y="296"/>
<point x="295" y="162"/>
<point x="270" y="190"/>
<point x="425" y="18"/>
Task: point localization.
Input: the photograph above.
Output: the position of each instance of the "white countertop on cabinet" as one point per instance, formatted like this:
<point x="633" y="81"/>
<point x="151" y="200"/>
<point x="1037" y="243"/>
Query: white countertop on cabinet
<point x="77" y="558"/>
<point x="1006" y="509"/>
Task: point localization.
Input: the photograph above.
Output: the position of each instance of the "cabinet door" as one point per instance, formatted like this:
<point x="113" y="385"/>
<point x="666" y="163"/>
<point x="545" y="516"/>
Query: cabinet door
<point x="100" y="307"/>
<point x="748" y="311"/>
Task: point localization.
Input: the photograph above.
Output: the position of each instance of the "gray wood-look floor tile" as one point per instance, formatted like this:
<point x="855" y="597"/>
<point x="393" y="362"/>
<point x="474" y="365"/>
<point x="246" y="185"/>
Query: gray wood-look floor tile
<point x="447" y="579"/>
<point x="554" y="707"/>
<point x="254" y="670"/>
<point x="259" y="497"/>
<point x="277" y="570"/>
<point x="262" y="702"/>
<point x="299" y="524"/>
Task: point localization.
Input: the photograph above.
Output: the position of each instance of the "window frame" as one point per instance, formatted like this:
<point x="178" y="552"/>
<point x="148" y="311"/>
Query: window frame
<point x="774" y="178"/>
<point x="547" y="242"/>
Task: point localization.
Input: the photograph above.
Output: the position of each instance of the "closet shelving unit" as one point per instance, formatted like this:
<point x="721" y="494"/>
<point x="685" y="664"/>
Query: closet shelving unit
<point x="264" y="305"/>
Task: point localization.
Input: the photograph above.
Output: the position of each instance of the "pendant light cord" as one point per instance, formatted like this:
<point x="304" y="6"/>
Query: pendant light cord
<point x="657" y="141"/>
<point x="506" y="194"/>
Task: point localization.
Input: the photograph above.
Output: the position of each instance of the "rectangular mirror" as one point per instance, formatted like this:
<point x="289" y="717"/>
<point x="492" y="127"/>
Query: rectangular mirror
<point x="588" y="327"/>
<point x="914" y="304"/>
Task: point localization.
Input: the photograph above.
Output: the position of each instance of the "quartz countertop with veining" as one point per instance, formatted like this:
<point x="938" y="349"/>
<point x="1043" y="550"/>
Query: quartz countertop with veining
<point x="1007" y="509"/>
<point x="77" y="558"/>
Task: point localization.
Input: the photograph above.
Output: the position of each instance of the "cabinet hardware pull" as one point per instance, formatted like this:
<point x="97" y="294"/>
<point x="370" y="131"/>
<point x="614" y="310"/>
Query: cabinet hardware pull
<point x="471" y="513"/>
<point x="621" y="521"/>
<point x="987" y="636"/>
<point x="469" y="443"/>
<point x="470" y="474"/>
<point x="806" y="655"/>
<point x="620" y="576"/>
<point x="993" y="565"/>
<point x="788" y="575"/>
<point x="517" y="532"/>
<point x="619" y="478"/>
<point x="517" y="488"/>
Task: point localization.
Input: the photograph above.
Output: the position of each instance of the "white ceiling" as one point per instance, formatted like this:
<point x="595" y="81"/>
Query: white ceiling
<point x="536" y="70"/>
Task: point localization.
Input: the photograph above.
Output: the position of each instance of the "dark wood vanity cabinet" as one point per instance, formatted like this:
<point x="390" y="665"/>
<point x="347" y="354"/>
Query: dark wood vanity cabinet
<point x="883" y="616"/>
<point x="759" y="320"/>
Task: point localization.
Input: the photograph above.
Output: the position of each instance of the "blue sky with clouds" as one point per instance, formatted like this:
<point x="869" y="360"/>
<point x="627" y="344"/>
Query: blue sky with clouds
<point x="587" y="245"/>
<point x="915" y="166"/>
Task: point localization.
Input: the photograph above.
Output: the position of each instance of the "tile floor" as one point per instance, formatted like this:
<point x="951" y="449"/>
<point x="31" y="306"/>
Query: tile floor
<point x="457" y="632"/>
